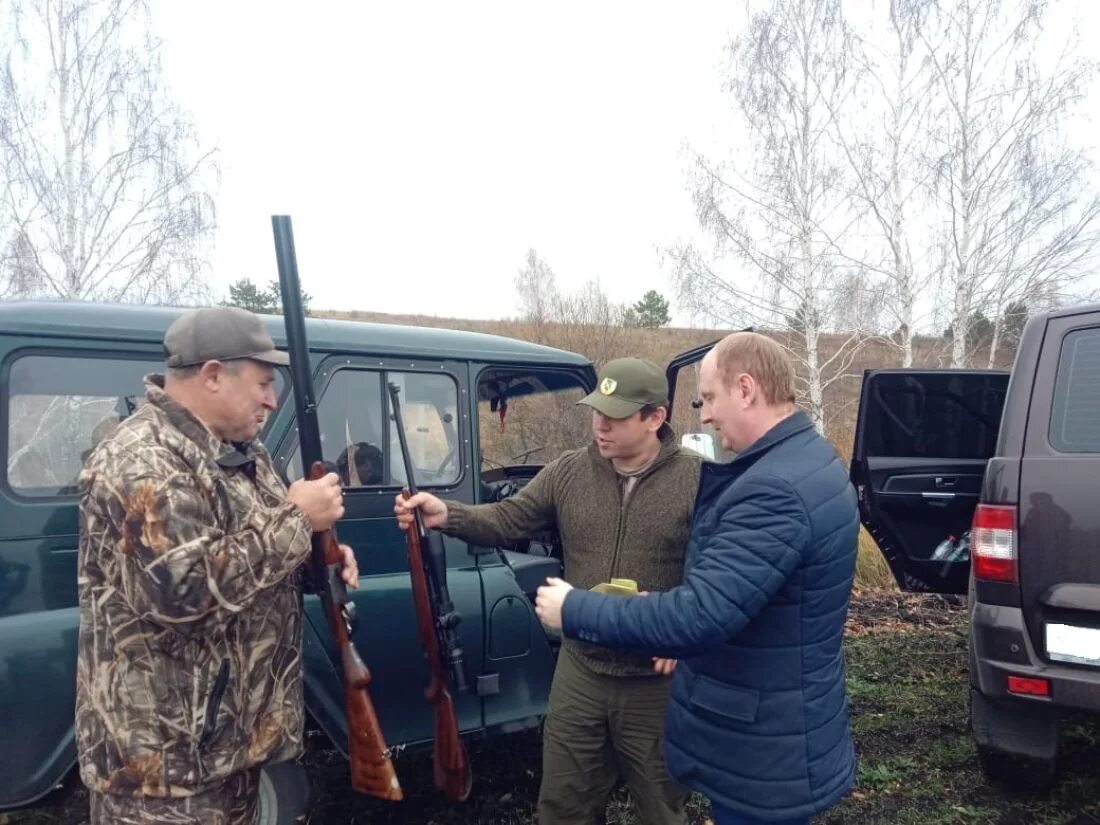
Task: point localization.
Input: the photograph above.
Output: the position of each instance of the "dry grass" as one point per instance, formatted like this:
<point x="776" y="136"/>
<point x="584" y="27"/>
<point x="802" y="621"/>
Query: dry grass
<point x="872" y="572"/>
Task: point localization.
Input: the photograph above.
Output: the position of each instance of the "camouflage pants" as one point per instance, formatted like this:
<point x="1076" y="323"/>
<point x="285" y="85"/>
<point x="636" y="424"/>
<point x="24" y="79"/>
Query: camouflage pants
<point x="231" y="803"/>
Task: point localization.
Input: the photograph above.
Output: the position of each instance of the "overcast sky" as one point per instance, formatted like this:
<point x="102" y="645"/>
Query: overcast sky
<point x="422" y="148"/>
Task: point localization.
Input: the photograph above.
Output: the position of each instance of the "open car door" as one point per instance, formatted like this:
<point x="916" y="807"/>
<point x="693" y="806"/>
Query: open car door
<point x="684" y="402"/>
<point x="923" y="438"/>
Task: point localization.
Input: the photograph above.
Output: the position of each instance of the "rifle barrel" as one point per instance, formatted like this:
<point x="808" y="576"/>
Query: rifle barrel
<point x="372" y="770"/>
<point x="446" y="617"/>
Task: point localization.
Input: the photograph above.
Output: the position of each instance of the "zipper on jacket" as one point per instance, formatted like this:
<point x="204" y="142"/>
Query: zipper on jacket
<point x="618" y="530"/>
<point x="214" y="703"/>
<point x="624" y="504"/>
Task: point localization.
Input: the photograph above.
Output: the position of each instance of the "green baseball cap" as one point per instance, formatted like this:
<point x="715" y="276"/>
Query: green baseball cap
<point x="625" y="385"/>
<point x="219" y="334"/>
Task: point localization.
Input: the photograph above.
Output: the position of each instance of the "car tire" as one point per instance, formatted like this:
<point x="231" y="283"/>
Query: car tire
<point x="284" y="794"/>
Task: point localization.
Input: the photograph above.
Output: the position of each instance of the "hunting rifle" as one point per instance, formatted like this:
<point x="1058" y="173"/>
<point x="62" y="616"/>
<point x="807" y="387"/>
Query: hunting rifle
<point x="372" y="771"/>
<point x="437" y="620"/>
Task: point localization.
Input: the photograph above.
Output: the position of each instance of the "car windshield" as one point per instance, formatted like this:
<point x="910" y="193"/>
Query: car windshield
<point x="530" y="416"/>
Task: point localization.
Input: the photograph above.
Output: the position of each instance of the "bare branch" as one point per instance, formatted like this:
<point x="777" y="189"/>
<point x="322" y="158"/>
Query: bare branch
<point x="105" y="184"/>
<point x="780" y="222"/>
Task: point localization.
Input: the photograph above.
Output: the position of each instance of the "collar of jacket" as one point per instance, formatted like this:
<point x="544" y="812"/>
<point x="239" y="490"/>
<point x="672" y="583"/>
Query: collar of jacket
<point x="716" y="477"/>
<point x="669" y="448"/>
<point x="795" y="423"/>
<point x="227" y="456"/>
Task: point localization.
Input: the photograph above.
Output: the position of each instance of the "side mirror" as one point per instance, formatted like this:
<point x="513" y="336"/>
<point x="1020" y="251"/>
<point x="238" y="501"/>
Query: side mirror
<point x="702" y="443"/>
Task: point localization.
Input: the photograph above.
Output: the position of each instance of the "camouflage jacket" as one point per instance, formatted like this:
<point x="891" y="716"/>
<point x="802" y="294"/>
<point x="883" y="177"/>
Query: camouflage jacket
<point x="189" y="664"/>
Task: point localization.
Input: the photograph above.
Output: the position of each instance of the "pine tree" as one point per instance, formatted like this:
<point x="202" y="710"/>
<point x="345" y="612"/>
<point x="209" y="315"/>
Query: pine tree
<point x="650" y="312"/>
<point x="247" y="295"/>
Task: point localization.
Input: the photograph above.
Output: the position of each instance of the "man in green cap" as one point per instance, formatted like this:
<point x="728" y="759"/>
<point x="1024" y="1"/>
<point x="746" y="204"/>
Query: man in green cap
<point x="189" y="662"/>
<point x="622" y="507"/>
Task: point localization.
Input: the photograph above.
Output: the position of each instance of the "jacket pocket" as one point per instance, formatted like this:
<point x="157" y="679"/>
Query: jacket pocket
<point x="213" y="704"/>
<point x="724" y="703"/>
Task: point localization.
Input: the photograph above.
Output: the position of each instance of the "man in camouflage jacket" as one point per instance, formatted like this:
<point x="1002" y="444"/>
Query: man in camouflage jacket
<point x="189" y="665"/>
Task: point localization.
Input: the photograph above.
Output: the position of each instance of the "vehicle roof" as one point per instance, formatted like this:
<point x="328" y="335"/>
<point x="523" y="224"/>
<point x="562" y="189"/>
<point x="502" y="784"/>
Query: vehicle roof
<point x="1078" y="309"/>
<point x="137" y="322"/>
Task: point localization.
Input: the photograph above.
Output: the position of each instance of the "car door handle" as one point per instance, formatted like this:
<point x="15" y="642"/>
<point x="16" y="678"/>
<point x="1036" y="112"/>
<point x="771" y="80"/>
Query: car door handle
<point x="946" y="481"/>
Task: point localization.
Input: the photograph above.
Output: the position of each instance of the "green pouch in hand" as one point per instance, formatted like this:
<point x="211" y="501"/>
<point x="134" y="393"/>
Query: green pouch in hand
<point x="617" y="587"/>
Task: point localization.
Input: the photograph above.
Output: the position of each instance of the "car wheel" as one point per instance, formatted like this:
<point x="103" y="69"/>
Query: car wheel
<point x="283" y="794"/>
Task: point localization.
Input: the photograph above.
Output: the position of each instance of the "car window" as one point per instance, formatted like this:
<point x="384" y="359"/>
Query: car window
<point x="930" y="415"/>
<point x="530" y="416"/>
<point x="360" y="443"/>
<point x="1075" y="415"/>
<point x="59" y="407"/>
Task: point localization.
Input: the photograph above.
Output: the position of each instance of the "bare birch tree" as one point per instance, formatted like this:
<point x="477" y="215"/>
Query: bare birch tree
<point x="880" y="135"/>
<point x="1020" y="224"/>
<point x="537" y="289"/>
<point x="778" y="222"/>
<point x="586" y="320"/>
<point x="105" y="185"/>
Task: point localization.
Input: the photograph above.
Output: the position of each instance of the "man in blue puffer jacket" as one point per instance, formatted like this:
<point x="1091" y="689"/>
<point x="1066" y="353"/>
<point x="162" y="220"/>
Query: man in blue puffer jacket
<point x="758" y="719"/>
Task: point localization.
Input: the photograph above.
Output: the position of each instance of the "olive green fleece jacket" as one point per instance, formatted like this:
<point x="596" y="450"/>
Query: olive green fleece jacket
<point x="580" y="494"/>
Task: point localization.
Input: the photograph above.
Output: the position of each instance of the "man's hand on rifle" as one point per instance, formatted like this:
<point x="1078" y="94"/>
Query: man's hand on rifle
<point x="432" y="510"/>
<point x="321" y="500"/>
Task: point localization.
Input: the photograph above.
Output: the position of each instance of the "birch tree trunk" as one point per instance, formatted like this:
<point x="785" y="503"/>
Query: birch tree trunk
<point x="106" y="194"/>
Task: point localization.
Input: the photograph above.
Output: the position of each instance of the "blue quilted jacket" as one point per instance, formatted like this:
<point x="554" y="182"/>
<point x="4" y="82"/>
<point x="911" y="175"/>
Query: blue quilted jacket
<point x="758" y="719"/>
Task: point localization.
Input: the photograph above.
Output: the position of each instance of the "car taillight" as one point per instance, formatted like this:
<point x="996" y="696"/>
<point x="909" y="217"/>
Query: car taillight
<point x="1028" y="686"/>
<point x="993" y="543"/>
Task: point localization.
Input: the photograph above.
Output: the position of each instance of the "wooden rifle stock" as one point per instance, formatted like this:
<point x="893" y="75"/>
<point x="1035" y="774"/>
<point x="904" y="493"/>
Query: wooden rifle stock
<point x="372" y="771"/>
<point x="450" y="764"/>
<point x="437" y="620"/>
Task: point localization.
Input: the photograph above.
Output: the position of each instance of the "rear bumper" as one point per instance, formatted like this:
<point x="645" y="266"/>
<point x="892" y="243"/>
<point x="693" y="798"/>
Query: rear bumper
<point x="1001" y="647"/>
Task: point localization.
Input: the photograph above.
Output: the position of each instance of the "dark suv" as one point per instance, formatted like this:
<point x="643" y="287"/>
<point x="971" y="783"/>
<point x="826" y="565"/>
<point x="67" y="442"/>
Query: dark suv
<point x="988" y="482"/>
